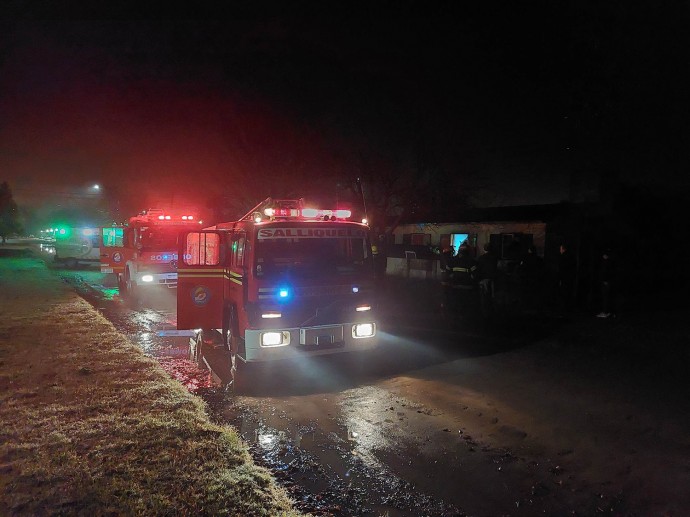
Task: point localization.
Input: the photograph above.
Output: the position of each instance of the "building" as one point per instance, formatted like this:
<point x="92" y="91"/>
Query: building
<point x="413" y="249"/>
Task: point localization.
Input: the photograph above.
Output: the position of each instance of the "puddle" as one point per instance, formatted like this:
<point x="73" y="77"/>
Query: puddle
<point x="142" y="326"/>
<point x="339" y="445"/>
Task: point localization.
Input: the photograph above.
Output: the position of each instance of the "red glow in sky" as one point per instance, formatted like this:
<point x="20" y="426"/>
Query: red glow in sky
<point x="74" y="118"/>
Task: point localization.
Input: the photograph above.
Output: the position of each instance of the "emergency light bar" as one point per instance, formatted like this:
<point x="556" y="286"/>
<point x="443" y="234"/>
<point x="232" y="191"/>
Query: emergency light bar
<point x="170" y="218"/>
<point x="314" y="213"/>
<point x="309" y="213"/>
<point x="281" y="212"/>
<point x="157" y="214"/>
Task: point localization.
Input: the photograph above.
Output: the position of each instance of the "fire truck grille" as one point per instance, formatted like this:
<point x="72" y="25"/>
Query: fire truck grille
<point x="268" y="293"/>
<point x="320" y="290"/>
<point x="159" y="268"/>
<point x="314" y="313"/>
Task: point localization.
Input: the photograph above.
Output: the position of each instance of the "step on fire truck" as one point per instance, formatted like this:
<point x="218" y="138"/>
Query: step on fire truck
<point x="285" y="281"/>
<point x="143" y="253"/>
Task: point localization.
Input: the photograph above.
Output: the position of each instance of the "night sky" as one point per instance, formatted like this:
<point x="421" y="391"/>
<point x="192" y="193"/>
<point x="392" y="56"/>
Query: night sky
<point x="504" y="103"/>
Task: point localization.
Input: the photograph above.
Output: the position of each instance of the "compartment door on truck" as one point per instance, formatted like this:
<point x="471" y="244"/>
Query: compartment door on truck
<point x="200" y="280"/>
<point x="114" y="254"/>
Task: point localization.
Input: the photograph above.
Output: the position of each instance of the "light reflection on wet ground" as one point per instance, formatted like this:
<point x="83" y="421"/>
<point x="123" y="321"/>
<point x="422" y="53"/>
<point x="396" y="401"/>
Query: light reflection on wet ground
<point x="329" y="466"/>
<point x="334" y="441"/>
<point x="142" y="324"/>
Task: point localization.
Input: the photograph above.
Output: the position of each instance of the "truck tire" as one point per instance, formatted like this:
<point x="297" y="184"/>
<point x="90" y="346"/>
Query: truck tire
<point x="132" y="290"/>
<point x="242" y="376"/>
<point x="230" y="329"/>
<point x="196" y="345"/>
<point x="241" y="371"/>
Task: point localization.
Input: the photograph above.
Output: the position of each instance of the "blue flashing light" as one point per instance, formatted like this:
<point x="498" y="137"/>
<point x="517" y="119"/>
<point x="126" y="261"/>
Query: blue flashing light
<point x="283" y="292"/>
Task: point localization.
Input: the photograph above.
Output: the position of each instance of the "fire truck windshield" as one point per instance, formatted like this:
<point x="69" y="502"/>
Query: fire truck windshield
<point x="311" y="257"/>
<point x="155" y="238"/>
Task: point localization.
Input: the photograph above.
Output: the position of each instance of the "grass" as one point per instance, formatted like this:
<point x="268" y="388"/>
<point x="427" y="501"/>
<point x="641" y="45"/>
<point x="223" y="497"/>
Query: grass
<point x="90" y="425"/>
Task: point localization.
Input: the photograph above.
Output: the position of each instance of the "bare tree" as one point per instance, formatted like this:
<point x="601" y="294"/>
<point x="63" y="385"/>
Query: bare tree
<point x="9" y="213"/>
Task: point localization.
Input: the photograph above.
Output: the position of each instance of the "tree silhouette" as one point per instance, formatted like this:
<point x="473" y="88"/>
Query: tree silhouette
<point x="9" y="214"/>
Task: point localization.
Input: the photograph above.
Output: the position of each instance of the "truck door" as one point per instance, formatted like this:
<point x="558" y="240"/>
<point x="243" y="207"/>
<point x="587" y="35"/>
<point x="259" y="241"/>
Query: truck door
<point x="200" y="280"/>
<point x="113" y="254"/>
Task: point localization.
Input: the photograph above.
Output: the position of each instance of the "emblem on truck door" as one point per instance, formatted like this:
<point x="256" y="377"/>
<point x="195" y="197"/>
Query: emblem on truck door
<point x="200" y="295"/>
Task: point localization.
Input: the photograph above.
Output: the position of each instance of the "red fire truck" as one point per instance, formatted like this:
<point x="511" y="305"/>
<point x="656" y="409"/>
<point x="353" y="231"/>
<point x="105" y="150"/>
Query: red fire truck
<point x="143" y="253"/>
<point x="285" y="281"/>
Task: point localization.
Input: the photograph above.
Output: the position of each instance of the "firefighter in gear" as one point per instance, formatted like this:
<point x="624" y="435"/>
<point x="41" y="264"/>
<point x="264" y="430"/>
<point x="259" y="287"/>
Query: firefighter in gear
<point x="464" y="268"/>
<point x="458" y="281"/>
<point x="487" y="273"/>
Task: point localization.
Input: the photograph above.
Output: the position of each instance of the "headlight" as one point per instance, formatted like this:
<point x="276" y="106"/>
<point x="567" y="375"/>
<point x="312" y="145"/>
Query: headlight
<point x="362" y="330"/>
<point x="269" y="339"/>
<point x="147" y="278"/>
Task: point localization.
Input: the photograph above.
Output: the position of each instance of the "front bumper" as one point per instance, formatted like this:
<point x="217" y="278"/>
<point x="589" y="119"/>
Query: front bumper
<point x="157" y="279"/>
<point x="317" y="340"/>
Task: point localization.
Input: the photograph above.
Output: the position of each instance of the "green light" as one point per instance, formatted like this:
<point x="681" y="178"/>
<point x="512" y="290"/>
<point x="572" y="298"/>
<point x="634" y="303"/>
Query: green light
<point x="62" y="232"/>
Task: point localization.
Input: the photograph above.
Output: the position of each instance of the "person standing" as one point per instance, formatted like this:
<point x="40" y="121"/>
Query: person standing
<point x="607" y="272"/>
<point x="566" y="278"/>
<point x="464" y="268"/>
<point x="486" y="274"/>
<point x="529" y="271"/>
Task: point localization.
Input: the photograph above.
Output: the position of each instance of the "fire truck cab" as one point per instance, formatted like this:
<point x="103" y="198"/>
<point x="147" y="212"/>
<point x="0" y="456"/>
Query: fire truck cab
<point x="143" y="253"/>
<point x="285" y="281"/>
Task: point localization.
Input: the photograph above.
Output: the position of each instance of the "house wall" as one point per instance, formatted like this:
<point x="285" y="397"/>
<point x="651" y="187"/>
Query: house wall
<point x="482" y="230"/>
<point x="412" y="267"/>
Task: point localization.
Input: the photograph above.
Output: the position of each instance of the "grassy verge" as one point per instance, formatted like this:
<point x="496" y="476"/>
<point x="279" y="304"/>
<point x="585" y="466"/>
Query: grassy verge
<point x="89" y="425"/>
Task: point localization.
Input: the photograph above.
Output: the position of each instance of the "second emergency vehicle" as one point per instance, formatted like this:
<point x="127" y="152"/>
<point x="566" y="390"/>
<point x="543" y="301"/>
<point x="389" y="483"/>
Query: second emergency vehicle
<point x="143" y="253"/>
<point x="284" y="281"/>
<point x="75" y="246"/>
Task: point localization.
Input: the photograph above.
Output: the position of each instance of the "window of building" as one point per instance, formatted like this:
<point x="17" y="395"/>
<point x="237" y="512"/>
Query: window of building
<point x="418" y="239"/>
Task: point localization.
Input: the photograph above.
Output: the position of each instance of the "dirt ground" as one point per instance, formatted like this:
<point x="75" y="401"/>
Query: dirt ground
<point x="601" y="402"/>
<point x="582" y="416"/>
<point x="538" y="415"/>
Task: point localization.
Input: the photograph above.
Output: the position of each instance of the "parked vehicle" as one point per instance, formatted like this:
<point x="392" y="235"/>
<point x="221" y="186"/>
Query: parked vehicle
<point x="284" y="281"/>
<point x="143" y="253"/>
<point x="75" y="246"/>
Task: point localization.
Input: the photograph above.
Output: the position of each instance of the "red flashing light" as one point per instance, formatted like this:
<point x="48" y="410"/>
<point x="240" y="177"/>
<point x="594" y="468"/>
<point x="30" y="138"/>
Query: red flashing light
<point x="281" y="212"/>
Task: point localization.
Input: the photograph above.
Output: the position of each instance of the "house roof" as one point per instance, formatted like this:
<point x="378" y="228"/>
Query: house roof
<point x="543" y="213"/>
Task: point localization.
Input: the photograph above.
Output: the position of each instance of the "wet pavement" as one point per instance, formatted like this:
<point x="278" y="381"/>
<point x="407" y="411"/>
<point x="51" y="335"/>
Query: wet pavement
<point x="336" y="431"/>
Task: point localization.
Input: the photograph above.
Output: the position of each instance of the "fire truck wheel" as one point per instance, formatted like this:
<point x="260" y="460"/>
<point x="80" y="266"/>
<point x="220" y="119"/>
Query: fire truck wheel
<point x="241" y="375"/>
<point x="132" y="290"/>
<point x="195" y="349"/>
<point x="230" y="329"/>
